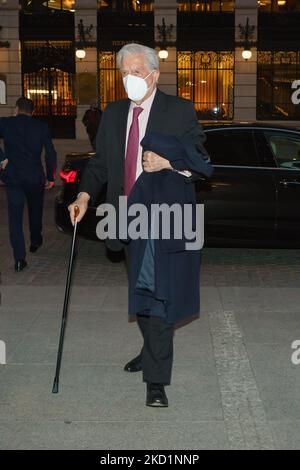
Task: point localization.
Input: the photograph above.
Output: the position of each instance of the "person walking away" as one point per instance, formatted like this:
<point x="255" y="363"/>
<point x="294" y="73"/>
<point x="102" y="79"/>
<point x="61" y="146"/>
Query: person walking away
<point x="23" y="174"/>
<point x="91" y="121"/>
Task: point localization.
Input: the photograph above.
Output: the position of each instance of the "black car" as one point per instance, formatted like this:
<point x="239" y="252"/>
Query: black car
<point x="252" y="199"/>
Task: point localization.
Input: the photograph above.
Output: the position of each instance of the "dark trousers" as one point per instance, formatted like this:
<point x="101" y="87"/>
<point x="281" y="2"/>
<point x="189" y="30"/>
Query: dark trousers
<point x="157" y="351"/>
<point x="17" y="195"/>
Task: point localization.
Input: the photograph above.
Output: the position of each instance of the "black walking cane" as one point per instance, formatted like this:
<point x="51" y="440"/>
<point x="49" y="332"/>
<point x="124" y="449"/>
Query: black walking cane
<point x="65" y="309"/>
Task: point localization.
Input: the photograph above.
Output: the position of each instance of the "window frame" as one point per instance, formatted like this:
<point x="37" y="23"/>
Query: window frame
<point x="191" y="6"/>
<point x="140" y="8"/>
<point x="194" y="70"/>
<point x="115" y="71"/>
<point x="260" y="163"/>
<point x="275" y="8"/>
<point x="275" y="56"/>
<point x="288" y="133"/>
<point x="26" y="8"/>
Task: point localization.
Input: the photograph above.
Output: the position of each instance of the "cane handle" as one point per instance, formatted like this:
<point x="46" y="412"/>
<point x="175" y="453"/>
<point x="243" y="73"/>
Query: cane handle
<point x="76" y="212"/>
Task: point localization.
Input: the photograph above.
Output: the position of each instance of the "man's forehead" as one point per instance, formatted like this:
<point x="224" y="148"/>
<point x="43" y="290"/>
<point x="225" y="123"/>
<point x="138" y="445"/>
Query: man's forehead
<point x="134" y="60"/>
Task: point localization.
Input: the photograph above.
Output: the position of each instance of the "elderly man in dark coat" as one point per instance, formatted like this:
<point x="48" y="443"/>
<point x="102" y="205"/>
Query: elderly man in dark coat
<point x="121" y="163"/>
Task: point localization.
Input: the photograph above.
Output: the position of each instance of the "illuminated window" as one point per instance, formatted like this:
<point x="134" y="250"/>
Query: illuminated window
<point x="278" y="6"/>
<point x="276" y="72"/>
<point x="41" y="5"/>
<point x="203" y="6"/>
<point x="52" y="92"/>
<point x="206" y="78"/>
<point x="110" y="81"/>
<point x="49" y="86"/>
<point x="126" y="6"/>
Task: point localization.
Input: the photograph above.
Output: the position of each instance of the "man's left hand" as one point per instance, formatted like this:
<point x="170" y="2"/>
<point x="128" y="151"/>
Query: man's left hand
<point x="153" y="162"/>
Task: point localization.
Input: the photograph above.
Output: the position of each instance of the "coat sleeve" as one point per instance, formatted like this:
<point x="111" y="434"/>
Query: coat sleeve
<point x="1" y="127"/>
<point x="95" y="174"/>
<point x="50" y="155"/>
<point x="194" y="130"/>
<point x="2" y="156"/>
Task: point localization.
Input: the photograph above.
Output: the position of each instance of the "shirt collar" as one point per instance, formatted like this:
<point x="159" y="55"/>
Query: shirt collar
<point x="145" y="104"/>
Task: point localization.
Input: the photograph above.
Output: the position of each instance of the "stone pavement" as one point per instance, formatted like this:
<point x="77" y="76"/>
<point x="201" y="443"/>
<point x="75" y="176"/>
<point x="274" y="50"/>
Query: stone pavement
<point x="234" y="385"/>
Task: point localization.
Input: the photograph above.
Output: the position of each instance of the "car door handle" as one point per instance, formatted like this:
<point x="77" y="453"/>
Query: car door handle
<point x="286" y="183"/>
<point x="219" y="185"/>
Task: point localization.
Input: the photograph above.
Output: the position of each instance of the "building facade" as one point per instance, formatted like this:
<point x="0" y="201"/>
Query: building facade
<point x="205" y="40"/>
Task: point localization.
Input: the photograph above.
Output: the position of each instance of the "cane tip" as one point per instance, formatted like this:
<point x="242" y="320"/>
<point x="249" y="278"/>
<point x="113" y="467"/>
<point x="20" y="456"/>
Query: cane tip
<point x="55" y="387"/>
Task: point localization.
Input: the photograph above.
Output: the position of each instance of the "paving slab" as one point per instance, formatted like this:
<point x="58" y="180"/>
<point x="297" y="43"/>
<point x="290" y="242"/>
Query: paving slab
<point x="274" y="327"/>
<point x="138" y="435"/>
<point x="286" y="434"/>
<point x="260" y="299"/>
<point x="277" y="378"/>
<point x="105" y="393"/>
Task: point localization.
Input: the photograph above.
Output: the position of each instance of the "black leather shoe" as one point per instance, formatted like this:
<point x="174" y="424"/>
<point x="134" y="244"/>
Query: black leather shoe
<point x="156" y="396"/>
<point x="135" y="365"/>
<point x="34" y="248"/>
<point x="20" y="265"/>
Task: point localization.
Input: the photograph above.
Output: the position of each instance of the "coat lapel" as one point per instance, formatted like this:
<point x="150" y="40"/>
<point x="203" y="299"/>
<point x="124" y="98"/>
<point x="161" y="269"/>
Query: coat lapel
<point x="122" y="127"/>
<point x="155" y="122"/>
<point x="158" y="112"/>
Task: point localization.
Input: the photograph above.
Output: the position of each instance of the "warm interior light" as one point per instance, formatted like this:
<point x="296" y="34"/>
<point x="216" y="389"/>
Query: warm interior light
<point x="80" y="54"/>
<point x="281" y="2"/>
<point x="34" y="91"/>
<point x="163" y="54"/>
<point x="246" y="54"/>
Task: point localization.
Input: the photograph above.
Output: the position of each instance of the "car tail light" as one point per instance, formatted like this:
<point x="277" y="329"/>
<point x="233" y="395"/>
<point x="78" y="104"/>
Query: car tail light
<point x="68" y="176"/>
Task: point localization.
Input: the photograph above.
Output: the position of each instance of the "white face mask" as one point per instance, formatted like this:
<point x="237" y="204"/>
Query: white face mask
<point x="136" y="87"/>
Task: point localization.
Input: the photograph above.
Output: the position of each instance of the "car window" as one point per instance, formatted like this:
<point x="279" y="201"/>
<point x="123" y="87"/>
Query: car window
<point x="232" y="147"/>
<point x="285" y="148"/>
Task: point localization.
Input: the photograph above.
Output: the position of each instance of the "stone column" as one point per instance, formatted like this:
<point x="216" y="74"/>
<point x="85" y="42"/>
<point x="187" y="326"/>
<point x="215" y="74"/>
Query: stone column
<point x="245" y="71"/>
<point x="167" y="9"/>
<point x="86" y="69"/>
<point x="10" y="64"/>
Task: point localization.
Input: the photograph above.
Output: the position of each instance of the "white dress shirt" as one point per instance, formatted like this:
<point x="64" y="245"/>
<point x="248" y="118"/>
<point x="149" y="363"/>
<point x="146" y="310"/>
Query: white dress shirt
<point x="143" y="121"/>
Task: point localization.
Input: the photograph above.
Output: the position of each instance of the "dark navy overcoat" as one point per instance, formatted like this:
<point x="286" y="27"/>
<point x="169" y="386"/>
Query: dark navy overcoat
<point x="164" y="276"/>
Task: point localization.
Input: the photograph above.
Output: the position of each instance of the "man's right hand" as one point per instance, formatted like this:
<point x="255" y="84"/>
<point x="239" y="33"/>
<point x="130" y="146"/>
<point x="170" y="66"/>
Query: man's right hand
<point x="82" y="202"/>
<point x="4" y="164"/>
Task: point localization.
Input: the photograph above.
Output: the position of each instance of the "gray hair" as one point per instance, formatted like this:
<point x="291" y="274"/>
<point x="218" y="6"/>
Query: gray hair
<point x="132" y="49"/>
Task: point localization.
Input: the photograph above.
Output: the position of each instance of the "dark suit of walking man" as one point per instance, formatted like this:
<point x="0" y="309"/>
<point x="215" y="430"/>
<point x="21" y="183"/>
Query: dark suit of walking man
<point x="147" y="109"/>
<point x="23" y="174"/>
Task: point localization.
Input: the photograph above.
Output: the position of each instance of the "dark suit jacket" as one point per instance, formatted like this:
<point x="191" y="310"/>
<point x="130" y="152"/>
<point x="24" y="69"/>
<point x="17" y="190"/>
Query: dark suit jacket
<point x="169" y="115"/>
<point x="24" y="139"/>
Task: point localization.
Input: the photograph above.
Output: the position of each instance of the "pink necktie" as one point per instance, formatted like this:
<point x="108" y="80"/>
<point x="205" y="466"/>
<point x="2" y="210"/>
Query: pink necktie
<point x="132" y="151"/>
